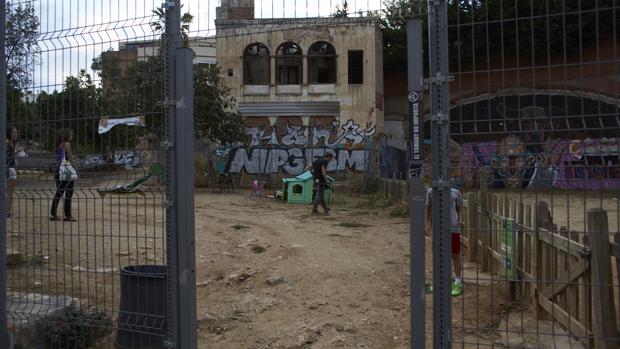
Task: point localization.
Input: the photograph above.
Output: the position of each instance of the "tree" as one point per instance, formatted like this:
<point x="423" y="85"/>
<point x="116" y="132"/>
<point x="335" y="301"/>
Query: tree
<point x="214" y="115"/>
<point x="138" y="88"/>
<point x="78" y="106"/>
<point x="22" y="31"/>
<point x="342" y="12"/>
<point x="393" y="24"/>
<point x="481" y="31"/>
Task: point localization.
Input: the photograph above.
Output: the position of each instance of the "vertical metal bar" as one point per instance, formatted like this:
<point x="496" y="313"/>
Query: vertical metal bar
<point x="172" y="41"/>
<point x="184" y="148"/>
<point x="440" y="109"/>
<point x="3" y="323"/>
<point x="415" y="64"/>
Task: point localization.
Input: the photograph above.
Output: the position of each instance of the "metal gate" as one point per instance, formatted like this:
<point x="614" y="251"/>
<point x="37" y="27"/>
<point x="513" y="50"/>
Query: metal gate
<point x="528" y="134"/>
<point x="97" y="103"/>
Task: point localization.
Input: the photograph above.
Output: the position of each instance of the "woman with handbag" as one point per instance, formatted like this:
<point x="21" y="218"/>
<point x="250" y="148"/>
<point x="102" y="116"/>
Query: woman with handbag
<point x="11" y="168"/>
<point x="65" y="174"/>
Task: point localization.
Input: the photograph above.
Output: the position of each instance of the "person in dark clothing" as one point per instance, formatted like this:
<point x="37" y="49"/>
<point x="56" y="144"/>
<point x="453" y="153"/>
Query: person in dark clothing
<point x="11" y="167"/>
<point x="63" y="187"/>
<point x="319" y="173"/>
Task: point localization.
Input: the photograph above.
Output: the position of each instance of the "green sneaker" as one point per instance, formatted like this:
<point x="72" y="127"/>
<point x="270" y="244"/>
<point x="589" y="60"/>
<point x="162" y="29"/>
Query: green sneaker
<point x="428" y="288"/>
<point x="457" y="289"/>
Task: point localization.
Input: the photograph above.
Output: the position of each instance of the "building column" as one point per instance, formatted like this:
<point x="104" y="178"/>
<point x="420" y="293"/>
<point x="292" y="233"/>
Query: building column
<point x="304" y="71"/>
<point x="273" y="70"/>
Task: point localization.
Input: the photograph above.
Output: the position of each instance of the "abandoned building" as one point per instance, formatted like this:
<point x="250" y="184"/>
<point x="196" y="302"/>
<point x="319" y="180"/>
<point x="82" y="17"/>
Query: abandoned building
<point x="304" y="87"/>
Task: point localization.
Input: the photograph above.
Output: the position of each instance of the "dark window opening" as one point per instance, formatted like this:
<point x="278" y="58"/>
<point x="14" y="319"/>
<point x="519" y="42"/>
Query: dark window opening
<point x="322" y="63"/>
<point x="356" y="67"/>
<point x="256" y="63"/>
<point x="289" y="62"/>
<point x="298" y="189"/>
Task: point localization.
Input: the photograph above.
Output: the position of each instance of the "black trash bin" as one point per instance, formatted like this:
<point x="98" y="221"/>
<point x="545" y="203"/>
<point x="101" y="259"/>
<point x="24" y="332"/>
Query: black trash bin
<point x="143" y="307"/>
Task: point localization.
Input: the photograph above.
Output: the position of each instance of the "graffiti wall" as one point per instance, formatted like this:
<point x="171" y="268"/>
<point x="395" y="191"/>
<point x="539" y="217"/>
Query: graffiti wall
<point x="565" y="164"/>
<point x="289" y="146"/>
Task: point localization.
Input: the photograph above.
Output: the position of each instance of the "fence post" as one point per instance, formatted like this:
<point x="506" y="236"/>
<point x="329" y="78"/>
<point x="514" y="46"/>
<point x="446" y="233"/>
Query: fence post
<point x="520" y="247"/>
<point x="186" y="263"/>
<point x="528" y="249"/>
<point x="605" y="330"/>
<point x="472" y="227"/>
<point x="617" y="259"/>
<point x="3" y="320"/>
<point x="542" y="216"/>
<point x="483" y="255"/>
<point x="586" y="288"/>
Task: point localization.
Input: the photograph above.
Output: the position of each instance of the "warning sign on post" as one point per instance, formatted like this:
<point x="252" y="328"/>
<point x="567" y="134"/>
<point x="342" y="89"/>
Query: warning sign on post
<point x="416" y="137"/>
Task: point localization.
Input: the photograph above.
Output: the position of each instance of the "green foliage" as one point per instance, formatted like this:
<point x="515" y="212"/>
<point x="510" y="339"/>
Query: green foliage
<point x="76" y="328"/>
<point x="22" y="31"/>
<point x="214" y="115"/>
<point x="342" y="11"/>
<point x="393" y="24"/>
<point x="483" y="31"/>
<point x="78" y="107"/>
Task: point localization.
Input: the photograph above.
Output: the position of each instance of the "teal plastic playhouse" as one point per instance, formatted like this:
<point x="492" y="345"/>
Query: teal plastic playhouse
<point x="298" y="190"/>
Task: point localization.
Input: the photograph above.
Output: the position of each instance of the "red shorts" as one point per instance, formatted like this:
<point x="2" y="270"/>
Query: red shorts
<point x="456" y="243"/>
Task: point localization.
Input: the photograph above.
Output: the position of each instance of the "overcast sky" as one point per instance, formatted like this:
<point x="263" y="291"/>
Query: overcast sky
<point x="73" y="32"/>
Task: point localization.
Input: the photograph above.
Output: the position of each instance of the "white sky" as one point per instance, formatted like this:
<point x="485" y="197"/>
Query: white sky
<point x="73" y="32"/>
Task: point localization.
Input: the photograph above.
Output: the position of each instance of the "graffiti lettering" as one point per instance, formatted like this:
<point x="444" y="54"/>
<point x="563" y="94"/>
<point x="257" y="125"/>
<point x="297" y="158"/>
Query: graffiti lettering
<point x="293" y="161"/>
<point x="294" y="136"/>
<point x="272" y="149"/>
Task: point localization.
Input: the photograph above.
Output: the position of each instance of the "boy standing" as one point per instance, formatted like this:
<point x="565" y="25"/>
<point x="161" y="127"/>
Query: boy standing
<point x="456" y="201"/>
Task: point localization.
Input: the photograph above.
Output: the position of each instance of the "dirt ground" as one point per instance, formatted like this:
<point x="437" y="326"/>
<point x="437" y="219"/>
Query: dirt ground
<point x="341" y="280"/>
<point x="269" y="274"/>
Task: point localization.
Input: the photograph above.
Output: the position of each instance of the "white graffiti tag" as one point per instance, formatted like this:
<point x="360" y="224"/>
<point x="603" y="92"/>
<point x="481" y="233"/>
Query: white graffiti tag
<point x="351" y="133"/>
<point x="294" y="136"/>
<point x="257" y="136"/>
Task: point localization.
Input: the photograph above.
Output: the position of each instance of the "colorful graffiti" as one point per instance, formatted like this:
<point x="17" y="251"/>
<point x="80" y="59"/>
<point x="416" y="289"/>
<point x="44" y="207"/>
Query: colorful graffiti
<point x="289" y="147"/>
<point x="566" y="164"/>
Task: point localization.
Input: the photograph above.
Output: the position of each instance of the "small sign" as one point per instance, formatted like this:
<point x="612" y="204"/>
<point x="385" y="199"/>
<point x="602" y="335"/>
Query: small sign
<point x="416" y="127"/>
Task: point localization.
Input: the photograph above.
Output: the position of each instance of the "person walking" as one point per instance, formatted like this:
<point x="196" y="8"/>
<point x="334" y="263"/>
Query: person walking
<point x="319" y="173"/>
<point x="11" y="168"/>
<point x="64" y="187"/>
<point x="456" y="201"/>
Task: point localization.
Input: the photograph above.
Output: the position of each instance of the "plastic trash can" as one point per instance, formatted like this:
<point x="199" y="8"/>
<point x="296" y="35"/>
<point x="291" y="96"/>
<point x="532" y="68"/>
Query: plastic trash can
<point x="143" y="307"/>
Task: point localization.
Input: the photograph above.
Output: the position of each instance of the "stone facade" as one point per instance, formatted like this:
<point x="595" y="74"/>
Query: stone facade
<point x="341" y="109"/>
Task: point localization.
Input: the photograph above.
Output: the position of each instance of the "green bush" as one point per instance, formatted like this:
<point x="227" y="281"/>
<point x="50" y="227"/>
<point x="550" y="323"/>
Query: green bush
<point x="76" y="328"/>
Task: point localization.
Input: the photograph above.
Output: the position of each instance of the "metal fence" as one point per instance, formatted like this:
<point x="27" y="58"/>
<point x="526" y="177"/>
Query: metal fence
<point x="94" y="261"/>
<point x="523" y="117"/>
<point x="533" y="128"/>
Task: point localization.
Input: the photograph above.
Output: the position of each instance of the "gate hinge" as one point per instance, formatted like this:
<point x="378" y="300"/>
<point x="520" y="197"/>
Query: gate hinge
<point x="166" y="145"/>
<point x="167" y="5"/>
<point x="441" y="184"/>
<point x="440" y="118"/>
<point x="434" y="3"/>
<point x="167" y="103"/>
<point x="439" y="79"/>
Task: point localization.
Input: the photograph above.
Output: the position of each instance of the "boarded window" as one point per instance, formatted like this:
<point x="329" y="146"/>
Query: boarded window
<point x="356" y="67"/>
<point x="289" y="62"/>
<point x="322" y="63"/>
<point x="256" y="65"/>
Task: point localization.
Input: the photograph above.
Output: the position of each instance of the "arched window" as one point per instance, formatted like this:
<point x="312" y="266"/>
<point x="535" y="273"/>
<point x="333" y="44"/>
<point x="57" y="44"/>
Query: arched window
<point x="289" y="62"/>
<point x="256" y="65"/>
<point x="322" y="63"/>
